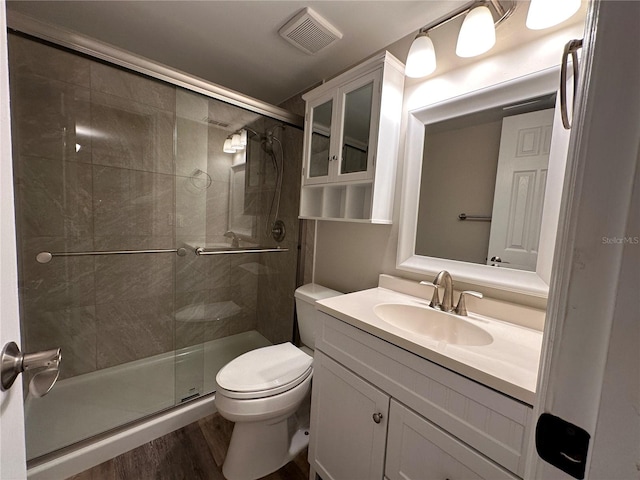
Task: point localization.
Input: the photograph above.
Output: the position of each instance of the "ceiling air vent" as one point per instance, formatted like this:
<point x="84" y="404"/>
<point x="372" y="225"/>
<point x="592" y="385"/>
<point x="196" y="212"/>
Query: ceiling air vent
<point x="309" y="32"/>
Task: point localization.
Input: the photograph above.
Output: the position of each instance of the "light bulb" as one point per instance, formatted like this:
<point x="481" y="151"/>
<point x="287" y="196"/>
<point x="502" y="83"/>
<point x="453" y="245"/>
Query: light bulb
<point x="227" y="148"/>
<point x="421" y="60"/>
<point x="547" y="13"/>
<point x="236" y="144"/>
<point x="477" y="34"/>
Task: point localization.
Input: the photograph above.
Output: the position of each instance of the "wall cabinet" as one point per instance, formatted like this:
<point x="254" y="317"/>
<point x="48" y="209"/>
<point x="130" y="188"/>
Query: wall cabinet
<point x="378" y="411"/>
<point x="352" y="133"/>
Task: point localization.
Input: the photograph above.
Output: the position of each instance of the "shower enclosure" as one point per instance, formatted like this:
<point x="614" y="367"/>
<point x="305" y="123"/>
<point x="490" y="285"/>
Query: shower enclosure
<point x="119" y="179"/>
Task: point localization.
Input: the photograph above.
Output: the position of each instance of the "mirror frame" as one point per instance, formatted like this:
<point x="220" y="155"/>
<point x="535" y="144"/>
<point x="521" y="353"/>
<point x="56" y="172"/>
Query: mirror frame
<point x="519" y="281"/>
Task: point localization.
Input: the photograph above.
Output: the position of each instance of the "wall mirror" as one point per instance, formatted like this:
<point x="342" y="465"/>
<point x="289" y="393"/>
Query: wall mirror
<point x="482" y="185"/>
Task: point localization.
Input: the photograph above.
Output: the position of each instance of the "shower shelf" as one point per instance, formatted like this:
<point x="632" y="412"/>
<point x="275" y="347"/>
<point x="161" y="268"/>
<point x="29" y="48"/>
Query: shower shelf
<point x="230" y="251"/>
<point x="45" y="257"/>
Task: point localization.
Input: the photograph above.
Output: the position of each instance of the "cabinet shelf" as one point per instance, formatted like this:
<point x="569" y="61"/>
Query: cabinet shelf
<point x="347" y="203"/>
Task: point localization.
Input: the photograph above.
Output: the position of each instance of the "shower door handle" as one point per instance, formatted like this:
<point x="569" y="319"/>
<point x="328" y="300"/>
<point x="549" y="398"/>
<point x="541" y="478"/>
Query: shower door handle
<point x="46" y="363"/>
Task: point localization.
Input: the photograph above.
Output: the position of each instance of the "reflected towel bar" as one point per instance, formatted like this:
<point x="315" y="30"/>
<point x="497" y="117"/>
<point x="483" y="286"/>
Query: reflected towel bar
<point x="479" y="218"/>
<point x="45" y="257"/>
<point x="230" y="251"/>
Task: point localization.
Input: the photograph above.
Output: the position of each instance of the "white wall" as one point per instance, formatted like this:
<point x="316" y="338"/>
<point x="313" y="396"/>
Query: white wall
<point x="349" y="257"/>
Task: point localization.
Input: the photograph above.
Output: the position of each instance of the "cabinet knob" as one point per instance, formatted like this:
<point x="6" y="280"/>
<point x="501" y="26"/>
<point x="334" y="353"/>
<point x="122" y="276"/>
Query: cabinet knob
<point x="377" y="417"/>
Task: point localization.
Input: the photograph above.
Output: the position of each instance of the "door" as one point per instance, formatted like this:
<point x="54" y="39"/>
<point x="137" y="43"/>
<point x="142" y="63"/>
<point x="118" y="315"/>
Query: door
<point x="348" y="424"/>
<point x="521" y="179"/>
<point x="12" y="452"/>
<point x="590" y="369"/>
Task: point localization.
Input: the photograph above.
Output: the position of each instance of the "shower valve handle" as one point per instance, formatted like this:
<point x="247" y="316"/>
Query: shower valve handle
<point x="13" y="362"/>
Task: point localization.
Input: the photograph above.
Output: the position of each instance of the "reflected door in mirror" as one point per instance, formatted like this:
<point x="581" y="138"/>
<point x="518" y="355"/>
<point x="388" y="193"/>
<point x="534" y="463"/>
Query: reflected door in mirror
<point x="521" y="180"/>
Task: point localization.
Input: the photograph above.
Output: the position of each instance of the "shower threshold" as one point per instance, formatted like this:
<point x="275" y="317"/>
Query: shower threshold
<point x="88" y="405"/>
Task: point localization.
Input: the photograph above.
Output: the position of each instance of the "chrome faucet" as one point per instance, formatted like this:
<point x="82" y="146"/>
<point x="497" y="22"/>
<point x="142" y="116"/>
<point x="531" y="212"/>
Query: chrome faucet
<point x="235" y="240"/>
<point x="447" y="297"/>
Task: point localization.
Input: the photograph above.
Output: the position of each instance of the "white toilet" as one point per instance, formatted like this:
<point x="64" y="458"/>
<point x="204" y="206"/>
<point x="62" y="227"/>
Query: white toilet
<point x="266" y="393"/>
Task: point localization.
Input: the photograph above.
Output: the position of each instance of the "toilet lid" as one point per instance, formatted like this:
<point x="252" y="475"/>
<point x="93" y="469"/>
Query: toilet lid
<point x="265" y="368"/>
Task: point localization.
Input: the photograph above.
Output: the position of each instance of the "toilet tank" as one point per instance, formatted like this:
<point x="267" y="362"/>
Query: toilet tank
<point x="306" y="297"/>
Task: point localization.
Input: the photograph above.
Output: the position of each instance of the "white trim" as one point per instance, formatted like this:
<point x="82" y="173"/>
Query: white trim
<point x="530" y="283"/>
<point x="122" y="58"/>
<point x="588" y="297"/>
<point x="12" y="450"/>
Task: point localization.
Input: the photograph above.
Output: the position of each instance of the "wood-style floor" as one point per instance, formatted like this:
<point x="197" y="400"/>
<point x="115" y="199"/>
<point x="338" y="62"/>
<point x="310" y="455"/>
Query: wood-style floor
<point x="195" y="452"/>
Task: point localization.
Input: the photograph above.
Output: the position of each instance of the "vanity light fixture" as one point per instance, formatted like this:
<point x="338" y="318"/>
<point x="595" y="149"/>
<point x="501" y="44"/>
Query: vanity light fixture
<point x="477" y="35"/>
<point x="243" y="138"/>
<point x="227" y="148"/>
<point x="547" y="13"/>
<point x="236" y="143"/>
<point x="422" y="57"/>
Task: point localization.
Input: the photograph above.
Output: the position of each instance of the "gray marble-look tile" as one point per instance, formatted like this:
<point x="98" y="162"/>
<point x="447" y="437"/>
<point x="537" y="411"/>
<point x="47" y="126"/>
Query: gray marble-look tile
<point x="219" y="162"/>
<point x="134" y="328"/>
<point x="131" y="135"/>
<point x="197" y="273"/>
<point x="217" y="208"/>
<point x="191" y="146"/>
<point x="64" y="282"/>
<point x="133" y="277"/>
<point x="189" y="317"/>
<point x="27" y="56"/>
<point x="191" y="207"/>
<point x="136" y="242"/>
<point x="54" y="197"/>
<point x="50" y="119"/>
<point x="132" y="202"/>
<point x="131" y="86"/>
<point x="71" y="329"/>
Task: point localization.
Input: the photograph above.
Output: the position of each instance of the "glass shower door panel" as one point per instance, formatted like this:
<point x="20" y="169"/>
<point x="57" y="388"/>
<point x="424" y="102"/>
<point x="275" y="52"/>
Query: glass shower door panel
<point x="220" y="203"/>
<point x="94" y="168"/>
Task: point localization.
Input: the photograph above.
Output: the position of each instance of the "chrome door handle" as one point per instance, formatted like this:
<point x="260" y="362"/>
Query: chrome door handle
<point x="13" y="362"/>
<point x="571" y="48"/>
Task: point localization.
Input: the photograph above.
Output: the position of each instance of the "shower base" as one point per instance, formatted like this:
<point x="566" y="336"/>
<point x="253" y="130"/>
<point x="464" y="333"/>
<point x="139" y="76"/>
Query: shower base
<point x="82" y="407"/>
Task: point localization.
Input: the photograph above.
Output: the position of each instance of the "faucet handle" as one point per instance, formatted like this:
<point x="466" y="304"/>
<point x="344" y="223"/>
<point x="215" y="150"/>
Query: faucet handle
<point x="461" y="308"/>
<point x="435" y="299"/>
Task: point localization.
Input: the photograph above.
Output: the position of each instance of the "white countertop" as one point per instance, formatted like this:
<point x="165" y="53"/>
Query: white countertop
<point x="509" y="364"/>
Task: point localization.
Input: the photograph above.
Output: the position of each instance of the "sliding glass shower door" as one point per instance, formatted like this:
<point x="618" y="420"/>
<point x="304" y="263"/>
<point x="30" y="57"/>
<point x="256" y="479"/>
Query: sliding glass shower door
<point x="121" y="178"/>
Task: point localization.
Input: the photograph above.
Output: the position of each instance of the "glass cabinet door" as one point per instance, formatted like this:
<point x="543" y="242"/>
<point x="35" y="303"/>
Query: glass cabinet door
<point x="319" y="154"/>
<point x="356" y="129"/>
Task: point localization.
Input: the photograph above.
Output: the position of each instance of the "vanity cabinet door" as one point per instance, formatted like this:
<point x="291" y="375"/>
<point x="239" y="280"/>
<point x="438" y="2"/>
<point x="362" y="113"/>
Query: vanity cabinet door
<point x="419" y="450"/>
<point x="348" y="424"/>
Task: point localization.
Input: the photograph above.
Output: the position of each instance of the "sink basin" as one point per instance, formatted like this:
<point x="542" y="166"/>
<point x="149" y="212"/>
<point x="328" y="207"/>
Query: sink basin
<point x="434" y="324"/>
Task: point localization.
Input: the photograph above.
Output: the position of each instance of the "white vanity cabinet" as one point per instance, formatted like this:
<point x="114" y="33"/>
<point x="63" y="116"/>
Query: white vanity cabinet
<point x="347" y="440"/>
<point x="379" y="411"/>
<point x="352" y="131"/>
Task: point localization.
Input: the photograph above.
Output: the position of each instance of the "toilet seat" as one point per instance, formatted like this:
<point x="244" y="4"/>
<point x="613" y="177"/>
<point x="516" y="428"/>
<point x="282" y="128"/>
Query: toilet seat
<point x="264" y="372"/>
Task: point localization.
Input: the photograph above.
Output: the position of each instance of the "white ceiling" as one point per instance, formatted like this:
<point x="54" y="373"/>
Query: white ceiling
<point x="236" y="43"/>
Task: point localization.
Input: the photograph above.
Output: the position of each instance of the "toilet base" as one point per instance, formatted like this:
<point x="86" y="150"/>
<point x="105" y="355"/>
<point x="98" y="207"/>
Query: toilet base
<point x="260" y="448"/>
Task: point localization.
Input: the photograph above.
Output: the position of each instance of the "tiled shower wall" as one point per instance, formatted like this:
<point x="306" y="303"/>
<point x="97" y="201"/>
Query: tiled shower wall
<point x="105" y="159"/>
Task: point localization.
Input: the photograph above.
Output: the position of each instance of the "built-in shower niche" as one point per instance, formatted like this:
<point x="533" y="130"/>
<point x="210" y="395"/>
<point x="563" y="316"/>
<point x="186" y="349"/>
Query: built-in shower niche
<point x="337" y="202"/>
